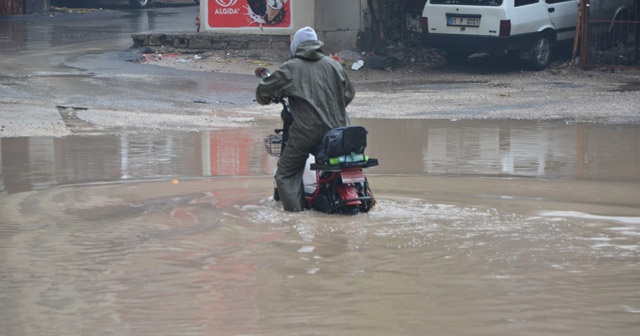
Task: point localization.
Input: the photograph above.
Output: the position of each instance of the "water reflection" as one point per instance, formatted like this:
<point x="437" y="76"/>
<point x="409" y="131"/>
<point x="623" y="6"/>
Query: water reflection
<point x="216" y="256"/>
<point x="31" y="162"/>
<point x="486" y="148"/>
<point x="12" y="35"/>
<point x="507" y="148"/>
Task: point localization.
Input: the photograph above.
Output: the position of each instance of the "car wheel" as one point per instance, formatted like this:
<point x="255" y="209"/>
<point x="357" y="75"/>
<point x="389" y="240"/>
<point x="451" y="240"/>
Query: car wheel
<point x="619" y="33"/>
<point x="140" y="3"/>
<point x="540" y="52"/>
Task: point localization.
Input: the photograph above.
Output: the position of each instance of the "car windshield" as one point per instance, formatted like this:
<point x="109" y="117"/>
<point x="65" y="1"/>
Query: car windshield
<point x="468" y="2"/>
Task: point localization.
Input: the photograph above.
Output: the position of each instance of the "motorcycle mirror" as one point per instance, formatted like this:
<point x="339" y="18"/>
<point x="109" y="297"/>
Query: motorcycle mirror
<point x="262" y="72"/>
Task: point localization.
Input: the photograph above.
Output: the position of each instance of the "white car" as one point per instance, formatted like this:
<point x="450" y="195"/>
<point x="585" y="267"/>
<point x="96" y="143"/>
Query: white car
<point x="530" y="28"/>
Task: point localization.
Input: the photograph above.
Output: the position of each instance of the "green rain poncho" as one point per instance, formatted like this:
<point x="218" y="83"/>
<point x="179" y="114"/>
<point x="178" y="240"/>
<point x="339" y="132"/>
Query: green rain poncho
<point x="319" y="91"/>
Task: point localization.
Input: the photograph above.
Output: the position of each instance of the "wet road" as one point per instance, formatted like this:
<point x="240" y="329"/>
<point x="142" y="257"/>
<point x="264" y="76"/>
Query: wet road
<point x="482" y="227"/>
<point x="85" y="61"/>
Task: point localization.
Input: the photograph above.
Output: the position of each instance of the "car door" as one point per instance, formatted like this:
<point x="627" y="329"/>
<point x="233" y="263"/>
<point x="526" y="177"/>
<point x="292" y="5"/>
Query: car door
<point x="563" y="15"/>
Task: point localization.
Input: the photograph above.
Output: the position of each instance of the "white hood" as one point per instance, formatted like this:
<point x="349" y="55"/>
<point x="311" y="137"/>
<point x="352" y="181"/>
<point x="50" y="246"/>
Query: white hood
<point x="302" y="35"/>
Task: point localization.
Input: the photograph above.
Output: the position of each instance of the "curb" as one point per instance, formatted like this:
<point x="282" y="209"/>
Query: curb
<point x="210" y="41"/>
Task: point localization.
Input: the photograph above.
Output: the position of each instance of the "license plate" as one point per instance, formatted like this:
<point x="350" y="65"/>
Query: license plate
<point x="463" y="21"/>
<point x="352" y="176"/>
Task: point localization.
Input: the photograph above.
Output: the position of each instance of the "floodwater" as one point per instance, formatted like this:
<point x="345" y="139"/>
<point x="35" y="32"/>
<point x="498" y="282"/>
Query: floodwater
<point x="481" y="228"/>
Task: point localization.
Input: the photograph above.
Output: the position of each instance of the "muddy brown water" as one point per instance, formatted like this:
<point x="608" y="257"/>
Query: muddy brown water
<point x="481" y="228"/>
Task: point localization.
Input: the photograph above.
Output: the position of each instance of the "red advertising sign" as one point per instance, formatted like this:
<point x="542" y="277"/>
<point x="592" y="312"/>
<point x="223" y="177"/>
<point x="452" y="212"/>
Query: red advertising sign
<point x="249" y="13"/>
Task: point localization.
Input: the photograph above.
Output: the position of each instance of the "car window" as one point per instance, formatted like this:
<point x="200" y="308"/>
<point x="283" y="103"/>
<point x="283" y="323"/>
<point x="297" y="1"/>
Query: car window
<point x="468" y="2"/>
<point x="519" y="3"/>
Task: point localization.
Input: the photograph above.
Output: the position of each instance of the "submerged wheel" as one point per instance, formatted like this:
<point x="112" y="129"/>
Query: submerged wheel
<point x="540" y="53"/>
<point x="365" y="206"/>
<point x="140" y="3"/>
<point x="350" y="210"/>
<point x="321" y="204"/>
<point x="365" y="191"/>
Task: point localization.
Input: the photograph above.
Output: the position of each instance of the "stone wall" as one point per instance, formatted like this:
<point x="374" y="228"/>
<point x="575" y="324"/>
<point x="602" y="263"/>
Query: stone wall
<point x="210" y="41"/>
<point x="36" y="6"/>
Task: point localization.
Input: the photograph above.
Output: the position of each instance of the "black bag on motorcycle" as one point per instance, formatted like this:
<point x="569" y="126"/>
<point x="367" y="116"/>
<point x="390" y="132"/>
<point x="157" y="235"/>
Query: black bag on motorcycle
<point x="344" y="141"/>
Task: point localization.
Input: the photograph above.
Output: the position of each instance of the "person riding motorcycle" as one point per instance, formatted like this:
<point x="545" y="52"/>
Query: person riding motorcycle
<point x="319" y="91"/>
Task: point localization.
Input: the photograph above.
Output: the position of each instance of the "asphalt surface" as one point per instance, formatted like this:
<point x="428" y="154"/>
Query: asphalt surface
<point x="81" y="66"/>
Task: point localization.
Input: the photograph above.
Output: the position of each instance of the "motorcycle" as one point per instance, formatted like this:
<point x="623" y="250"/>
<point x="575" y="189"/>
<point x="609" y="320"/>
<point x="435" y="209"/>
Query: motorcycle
<point x="334" y="179"/>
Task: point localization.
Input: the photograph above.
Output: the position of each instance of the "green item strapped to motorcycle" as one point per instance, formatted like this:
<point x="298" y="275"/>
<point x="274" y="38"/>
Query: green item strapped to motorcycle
<point x="353" y="157"/>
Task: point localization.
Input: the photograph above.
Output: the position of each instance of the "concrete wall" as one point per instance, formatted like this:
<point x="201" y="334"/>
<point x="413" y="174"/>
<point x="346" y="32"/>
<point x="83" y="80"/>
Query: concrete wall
<point x="338" y="22"/>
